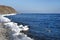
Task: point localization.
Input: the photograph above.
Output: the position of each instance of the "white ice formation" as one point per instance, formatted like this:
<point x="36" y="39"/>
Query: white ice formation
<point x="15" y="29"/>
<point x="4" y="19"/>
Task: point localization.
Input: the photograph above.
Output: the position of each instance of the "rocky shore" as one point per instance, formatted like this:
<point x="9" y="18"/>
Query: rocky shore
<point x="4" y="10"/>
<point x="11" y="30"/>
<point x="4" y="35"/>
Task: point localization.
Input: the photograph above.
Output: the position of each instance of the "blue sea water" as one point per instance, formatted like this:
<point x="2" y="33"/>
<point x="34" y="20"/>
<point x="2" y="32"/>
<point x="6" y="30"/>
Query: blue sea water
<point x="42" y="26"/>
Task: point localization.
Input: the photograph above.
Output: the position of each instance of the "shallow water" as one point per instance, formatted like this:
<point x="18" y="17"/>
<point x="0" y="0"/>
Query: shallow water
<point x="42" y="26"/>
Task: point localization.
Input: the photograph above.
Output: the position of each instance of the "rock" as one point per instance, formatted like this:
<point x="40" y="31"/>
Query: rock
<point x="3" y="33"/>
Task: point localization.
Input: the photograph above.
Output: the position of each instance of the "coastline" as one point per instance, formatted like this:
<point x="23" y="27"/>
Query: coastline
<point x="8" y="14"/>
<point x="10" y="34"/>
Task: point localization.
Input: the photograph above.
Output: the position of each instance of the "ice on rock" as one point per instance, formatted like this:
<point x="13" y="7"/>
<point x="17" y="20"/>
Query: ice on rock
<point x="20" y="25"/>
<point x="16" y="35"/>
<point x="4" y="20"/>
<point x="14" y="27"/>
<point x="25" y="28"/>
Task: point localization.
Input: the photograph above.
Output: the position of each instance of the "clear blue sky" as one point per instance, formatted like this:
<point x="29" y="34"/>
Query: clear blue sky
<point x="39" y="6"/>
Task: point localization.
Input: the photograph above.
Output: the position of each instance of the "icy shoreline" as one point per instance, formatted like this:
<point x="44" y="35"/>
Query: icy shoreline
<point x="13" y="29"/>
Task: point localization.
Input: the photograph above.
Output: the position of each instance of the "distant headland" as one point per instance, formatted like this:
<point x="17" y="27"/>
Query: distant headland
<point x="6" y="9"/>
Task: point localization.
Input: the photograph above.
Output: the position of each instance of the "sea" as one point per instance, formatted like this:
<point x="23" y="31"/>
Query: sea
<point x="41" y="26"/>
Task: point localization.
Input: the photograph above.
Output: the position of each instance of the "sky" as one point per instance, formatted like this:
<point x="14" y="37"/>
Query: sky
<point x="33" y="6"/>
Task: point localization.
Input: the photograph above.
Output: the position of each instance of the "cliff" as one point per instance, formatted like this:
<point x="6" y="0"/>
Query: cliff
<point x="6" y="9"/>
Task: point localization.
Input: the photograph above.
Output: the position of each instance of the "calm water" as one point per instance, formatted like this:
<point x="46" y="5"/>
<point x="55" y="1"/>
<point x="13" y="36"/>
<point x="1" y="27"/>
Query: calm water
<point x="42" y="26"/>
